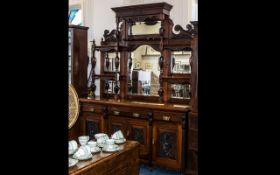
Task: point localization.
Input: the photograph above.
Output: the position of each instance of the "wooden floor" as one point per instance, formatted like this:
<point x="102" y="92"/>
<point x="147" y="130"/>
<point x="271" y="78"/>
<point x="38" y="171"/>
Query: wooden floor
<point x="145" y="170"/>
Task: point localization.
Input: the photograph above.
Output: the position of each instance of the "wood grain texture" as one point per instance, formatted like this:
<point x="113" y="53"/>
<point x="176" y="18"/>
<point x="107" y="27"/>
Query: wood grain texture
<point x="124" y="162"/>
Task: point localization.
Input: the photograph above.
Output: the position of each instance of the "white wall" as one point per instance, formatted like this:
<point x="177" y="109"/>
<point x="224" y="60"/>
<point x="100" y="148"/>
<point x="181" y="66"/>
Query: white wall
<point x="98" y="16"/>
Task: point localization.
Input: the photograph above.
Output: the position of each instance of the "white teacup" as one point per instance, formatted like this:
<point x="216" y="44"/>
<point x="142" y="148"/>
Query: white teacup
<point x="92" y="144"/>
<point x="101" y="135"/>
<point x="83" y="140"/>
<point x="101" y="142"/>
<point x="73" y="145"/>
<point x="117" y="135"/>
<point x="110" y="142"/>
<point x="83" y="151"/>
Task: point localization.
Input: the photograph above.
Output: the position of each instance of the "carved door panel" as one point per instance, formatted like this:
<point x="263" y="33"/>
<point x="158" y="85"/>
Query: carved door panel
<point x="118" y="123"/>
<point x="91" y="124"/>
<point x="167" y="146"/>
<point x="139" y="131"/>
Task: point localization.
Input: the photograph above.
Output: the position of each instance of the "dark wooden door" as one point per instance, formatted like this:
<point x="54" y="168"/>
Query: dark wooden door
<point x="118" y="123"/>
<point x="91" y="124"/>
<point x="139" y="131"/>
<point x="167" y="144"/>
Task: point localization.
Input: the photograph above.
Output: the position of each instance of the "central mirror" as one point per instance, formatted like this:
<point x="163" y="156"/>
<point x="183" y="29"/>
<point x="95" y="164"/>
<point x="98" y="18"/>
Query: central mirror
<point x="144" y="71"/>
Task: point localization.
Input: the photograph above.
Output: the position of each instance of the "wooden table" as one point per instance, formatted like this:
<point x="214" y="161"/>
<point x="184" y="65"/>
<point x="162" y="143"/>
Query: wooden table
<point x="123" y="162"/>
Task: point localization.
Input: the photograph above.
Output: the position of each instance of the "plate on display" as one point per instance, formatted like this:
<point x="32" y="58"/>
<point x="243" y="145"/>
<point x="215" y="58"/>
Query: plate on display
<point x="72" y="162"/>
<point x="120" y="141"/>
<point x="86" y="157"/>
<point x="114" y="148"/>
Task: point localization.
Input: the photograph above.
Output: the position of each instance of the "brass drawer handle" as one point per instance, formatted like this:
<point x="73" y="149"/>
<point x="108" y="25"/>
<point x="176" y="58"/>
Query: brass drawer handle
<point x="116" y="112"/>
<point x="135" y="114"/>
<point x="90" y="110"/>
<point x="166" y="118"/>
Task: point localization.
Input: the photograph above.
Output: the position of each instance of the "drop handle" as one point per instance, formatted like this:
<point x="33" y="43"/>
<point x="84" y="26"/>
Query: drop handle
<point x="116" y="112"/>
<point x="90" y="110"/>
<point x="135" y="114"/>
<point x="166" y="118"/>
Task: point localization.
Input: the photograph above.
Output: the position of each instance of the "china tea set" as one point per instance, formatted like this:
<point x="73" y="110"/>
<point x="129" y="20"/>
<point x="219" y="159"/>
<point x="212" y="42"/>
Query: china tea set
<point x="89" y="147"/>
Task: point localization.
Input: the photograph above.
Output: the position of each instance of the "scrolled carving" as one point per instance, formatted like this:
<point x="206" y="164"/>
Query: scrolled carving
<point x="110" y="36"/>
<point x="184" y="34"/>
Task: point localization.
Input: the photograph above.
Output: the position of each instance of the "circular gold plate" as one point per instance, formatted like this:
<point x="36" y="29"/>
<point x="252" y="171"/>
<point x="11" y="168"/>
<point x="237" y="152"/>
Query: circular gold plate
<point x="73" y="112"/>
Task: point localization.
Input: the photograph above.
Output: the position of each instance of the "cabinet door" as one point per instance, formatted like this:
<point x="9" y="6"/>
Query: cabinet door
<point x="139" y="131"/>
<point x="118" y="123"/>
<point x="91" y="124"/>
<point x="167" y="146"/>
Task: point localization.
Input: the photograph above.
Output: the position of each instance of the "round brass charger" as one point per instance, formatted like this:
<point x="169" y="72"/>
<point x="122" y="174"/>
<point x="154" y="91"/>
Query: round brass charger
<point x="73" y="112"/>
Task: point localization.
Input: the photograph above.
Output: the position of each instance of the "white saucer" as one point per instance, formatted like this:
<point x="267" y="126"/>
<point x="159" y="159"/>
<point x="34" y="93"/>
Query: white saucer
<point x="95" y="150"/>
<point x="72" y="162"/>
<point x="120" y="141"/>
<point x="86" y="157"/>
<point x="115" y="148"/>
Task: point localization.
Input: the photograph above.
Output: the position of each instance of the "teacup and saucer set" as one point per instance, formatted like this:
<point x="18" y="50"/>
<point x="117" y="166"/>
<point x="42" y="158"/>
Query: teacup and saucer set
<point x="84" y="151"/>
<point x="101" y="139"/>
<point x="118" y="137"/>
<point x="110" y="146"/>
<point x="93" y="147"/>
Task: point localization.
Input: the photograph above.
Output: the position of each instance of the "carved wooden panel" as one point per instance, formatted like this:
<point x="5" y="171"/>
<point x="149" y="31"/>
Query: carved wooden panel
<point x="167" y="144"/>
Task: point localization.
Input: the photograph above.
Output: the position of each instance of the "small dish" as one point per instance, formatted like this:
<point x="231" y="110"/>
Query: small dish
<point x="120" y="141"/>
<point x="111" y="148"/>
<point x="72" y="162"/>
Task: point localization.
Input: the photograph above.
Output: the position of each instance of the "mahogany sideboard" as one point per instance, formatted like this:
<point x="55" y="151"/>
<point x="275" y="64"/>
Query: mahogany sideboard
<point x="123" y="162"/>
<point x="159" y="128"/>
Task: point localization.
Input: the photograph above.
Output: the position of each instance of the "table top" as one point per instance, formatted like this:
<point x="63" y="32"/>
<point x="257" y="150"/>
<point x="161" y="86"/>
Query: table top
<point x="84" y="165"/>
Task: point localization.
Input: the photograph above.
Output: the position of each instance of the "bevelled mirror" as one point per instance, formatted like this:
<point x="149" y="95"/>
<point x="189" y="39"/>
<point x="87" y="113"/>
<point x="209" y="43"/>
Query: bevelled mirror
<point x="180" y="91"/>
<point x="112" y="62"/>
<point x="145" y="28"/>
<point x="143" y="71"/>
<point x="180" y="62"/>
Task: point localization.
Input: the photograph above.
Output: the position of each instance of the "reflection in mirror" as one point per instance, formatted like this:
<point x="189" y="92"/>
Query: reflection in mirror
<point x="180" y="91"/>
<point x="144" y="28"/>
<point x="112" y="62"/>
<point x="144" y="73"/>
<point x="180" y="62"/>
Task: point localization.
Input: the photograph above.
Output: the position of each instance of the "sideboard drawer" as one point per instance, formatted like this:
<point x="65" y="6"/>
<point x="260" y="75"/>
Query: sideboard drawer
<point x="91" y="108"/>
<point x="168" y="116"/>
<point x="129" y="112"/>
